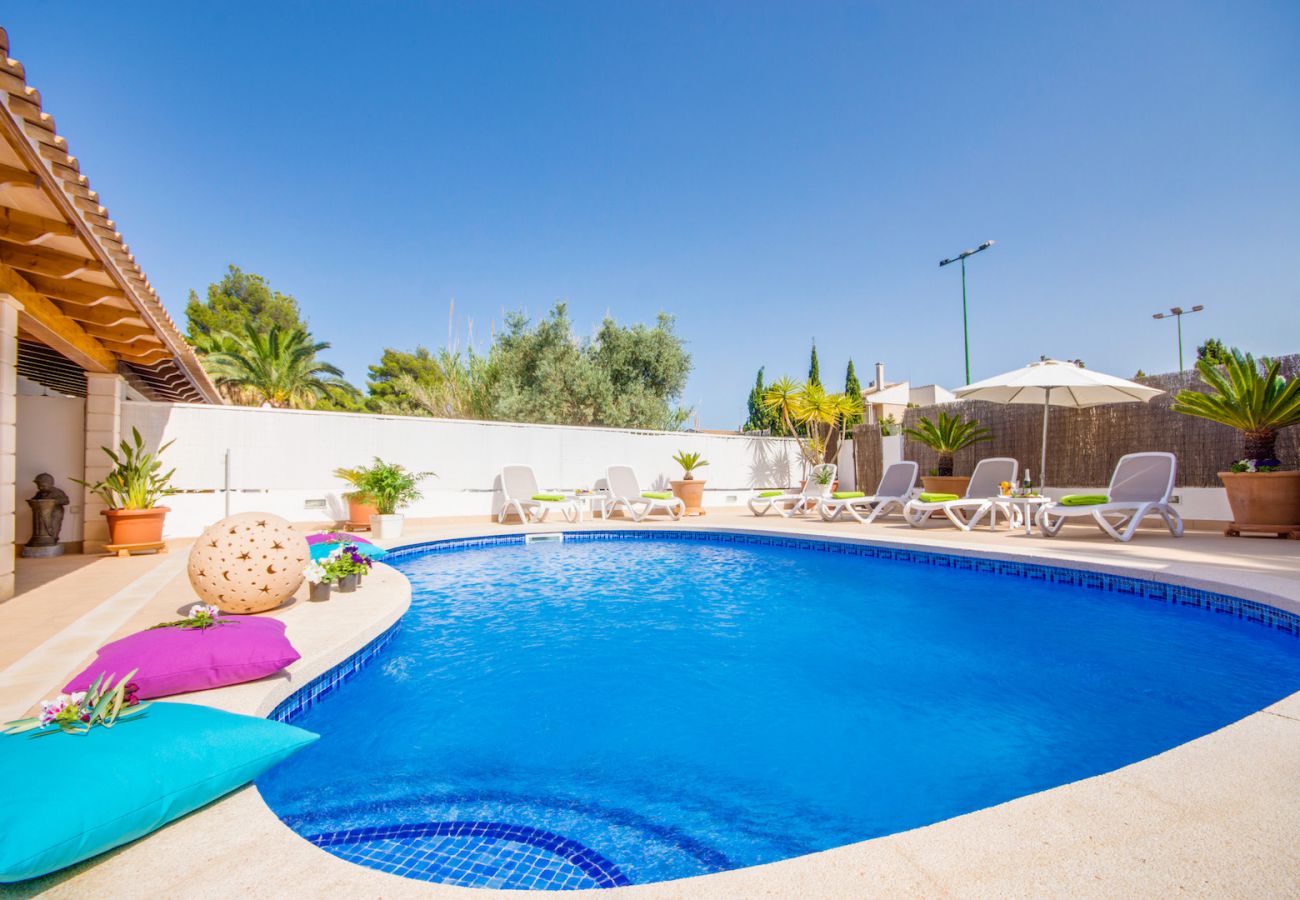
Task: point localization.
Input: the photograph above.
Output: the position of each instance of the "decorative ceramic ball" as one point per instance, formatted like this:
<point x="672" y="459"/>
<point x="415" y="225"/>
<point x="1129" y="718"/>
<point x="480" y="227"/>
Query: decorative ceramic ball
<point x="248" y="563"/>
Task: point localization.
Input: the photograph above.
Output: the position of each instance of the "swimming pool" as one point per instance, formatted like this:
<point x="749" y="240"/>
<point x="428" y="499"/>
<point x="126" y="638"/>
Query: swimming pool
<point x="627" y="707"/>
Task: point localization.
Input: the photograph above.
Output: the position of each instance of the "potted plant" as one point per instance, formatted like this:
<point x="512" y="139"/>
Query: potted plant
<point x="690" y="490"/>
<point x="360" y="506"/>
<point x="131" y="491"/>
<point x="390" y="487"/>
<point x="946" y="436"/>
<point x="1256" y="400"/>
<point x="320" y="580"/>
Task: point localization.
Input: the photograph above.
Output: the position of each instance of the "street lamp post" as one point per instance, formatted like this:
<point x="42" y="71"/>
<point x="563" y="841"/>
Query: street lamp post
<point x="965" y="327"/>
<point x="1177" y="312"/>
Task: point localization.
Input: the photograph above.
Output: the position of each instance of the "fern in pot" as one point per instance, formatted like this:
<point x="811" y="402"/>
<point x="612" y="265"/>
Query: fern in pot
<point x="390" y="487"/>
<point x="131" y="492"/>
<point x="1252" y="397"/>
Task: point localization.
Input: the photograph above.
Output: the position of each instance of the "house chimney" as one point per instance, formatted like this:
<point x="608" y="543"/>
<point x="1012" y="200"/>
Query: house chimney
<point x="880" y="376"/>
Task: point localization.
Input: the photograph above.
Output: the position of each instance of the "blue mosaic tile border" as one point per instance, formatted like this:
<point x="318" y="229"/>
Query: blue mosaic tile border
<point x="525" y="869"/>
<point x="330" y="681"/>
<point x="1249" y="610"/>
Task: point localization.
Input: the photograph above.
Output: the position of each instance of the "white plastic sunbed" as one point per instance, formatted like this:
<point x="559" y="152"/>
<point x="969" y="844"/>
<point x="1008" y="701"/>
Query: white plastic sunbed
<point x="519" y="485"/>
<point x="965" y="513"/>
<point x="1141" y="486"/>
<point x="625" y="491"/>
<point x="804" y="501"/>
<point x="892" y="492"/>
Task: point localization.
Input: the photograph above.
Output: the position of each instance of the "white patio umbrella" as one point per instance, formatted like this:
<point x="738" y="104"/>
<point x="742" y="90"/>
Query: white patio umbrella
<point x="1051" y="382"/>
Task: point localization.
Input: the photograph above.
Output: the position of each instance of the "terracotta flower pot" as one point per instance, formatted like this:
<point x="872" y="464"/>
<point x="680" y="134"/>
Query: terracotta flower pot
<point x="945" y="484"/>
<point x="690" y="492"/>
<point x="359" y="514"/>
<point x="1263" y="498"/>
<point x="135" y="526"/>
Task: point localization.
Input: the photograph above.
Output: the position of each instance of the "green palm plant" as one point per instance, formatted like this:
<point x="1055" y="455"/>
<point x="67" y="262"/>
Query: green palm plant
<point x="275" y="367"/>
<point x="1247" y="395"/>
<point x="814" y="416"/>
<point x="689" y="463"/>
<point x="946" y="436"/>
<point x="134" y="481"/>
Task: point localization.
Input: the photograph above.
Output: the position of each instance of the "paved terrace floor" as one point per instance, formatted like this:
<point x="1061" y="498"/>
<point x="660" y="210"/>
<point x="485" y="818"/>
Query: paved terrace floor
<point x="1216" y="816"/>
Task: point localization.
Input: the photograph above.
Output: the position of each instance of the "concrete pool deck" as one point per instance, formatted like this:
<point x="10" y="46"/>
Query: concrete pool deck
<point x="1216" y="816"/>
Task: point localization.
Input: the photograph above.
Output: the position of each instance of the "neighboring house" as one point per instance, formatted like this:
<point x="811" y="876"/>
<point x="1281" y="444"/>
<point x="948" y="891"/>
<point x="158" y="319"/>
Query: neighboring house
<point x="882" y="399"/>
<point x="80" y="326"/>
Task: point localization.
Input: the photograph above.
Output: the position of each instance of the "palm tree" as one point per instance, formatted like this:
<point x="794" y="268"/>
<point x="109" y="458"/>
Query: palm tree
<point x="275" y="368"/>
<point x="1251" y="397"/>
<point x="947" y="436"/>
<point x="820" y="416"/>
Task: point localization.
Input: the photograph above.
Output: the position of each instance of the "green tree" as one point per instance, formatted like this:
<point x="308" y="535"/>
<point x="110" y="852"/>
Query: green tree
<point x="276" y="367"/>
<point x="240" y="299"/>
<point x="1250" y="396"/>
<point x="760" y="417"/>
<point x="946" y="436"/>
<point x="852" y="388"/>
<point x="1213" y="350"/>
<point x="623" y="378"/>
<point x="814" y="370"/>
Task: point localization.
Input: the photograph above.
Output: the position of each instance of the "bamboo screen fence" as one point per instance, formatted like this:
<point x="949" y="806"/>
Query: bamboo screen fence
<point x="1083" y="445"/>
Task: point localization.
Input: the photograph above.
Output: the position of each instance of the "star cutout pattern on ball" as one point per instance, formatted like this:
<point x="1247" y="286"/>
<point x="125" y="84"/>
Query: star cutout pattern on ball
<point x="248" y="563"/>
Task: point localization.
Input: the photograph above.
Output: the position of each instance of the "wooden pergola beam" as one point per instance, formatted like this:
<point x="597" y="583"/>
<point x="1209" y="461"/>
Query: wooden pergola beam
<point x="81" y="293"/>
<point x="105" y="316"/>
<point x="50" y="263"/>
<point x="46" y="322"/>
<point x="24" y="228"/>
<point x="12" y="177"/>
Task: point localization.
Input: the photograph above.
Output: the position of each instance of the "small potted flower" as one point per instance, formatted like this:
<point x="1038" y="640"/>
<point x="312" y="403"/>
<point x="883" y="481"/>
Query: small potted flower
<point x="318" y="578"/>
<point x="346" y="565"/>
<point x="1255" y="399"/>
<point x="689" y="489"/>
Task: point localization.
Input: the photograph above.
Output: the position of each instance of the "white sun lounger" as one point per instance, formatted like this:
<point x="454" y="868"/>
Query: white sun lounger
<point x="1141" y="486"/>
<point x="519" y="487"/>
<point x="892" y="492"/>
<point x="802" y="502"/>
<point x="985" y="485"/>
<point x="625" y="491"/>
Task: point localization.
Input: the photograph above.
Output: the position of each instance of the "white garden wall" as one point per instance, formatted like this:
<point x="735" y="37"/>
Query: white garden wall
<point x="281" y="461"/>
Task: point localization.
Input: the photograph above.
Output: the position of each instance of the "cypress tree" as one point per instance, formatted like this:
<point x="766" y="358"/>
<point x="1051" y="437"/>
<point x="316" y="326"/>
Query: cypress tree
<point x="852" y="388"/>
<point x="758" y="416"/>
<point x="814" y="370"/>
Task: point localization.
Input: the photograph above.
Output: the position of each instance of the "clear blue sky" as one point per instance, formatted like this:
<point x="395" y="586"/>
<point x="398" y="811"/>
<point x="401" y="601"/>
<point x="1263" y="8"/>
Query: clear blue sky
<point x="767" y="173"/>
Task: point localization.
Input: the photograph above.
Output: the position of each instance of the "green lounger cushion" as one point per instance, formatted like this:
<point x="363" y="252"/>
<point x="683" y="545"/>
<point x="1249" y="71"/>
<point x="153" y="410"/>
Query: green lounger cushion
<point x="771" y="493"/>
<point x="1084" y="499"/>
<point x="847" y="495"/>
<point x="657" y="495"/>
<point x="550" y="498"/>
<point x="938" y="498"/>
<point x="68" y="797"/>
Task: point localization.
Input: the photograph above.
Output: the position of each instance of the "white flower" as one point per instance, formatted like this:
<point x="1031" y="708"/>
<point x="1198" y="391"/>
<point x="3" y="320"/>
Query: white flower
<point x="314" y="572"/>
<point x="203" y="609"/>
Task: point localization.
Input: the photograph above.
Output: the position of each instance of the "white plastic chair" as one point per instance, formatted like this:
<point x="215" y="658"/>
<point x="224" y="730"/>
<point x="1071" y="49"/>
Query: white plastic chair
<point x="802" y="502"/>
<point x="1141" y="486"/>
<point x="984" y="487"/>
<point x="625" y="491"/>
<point x="893" y="491"/>
<point x="519" y="487"/>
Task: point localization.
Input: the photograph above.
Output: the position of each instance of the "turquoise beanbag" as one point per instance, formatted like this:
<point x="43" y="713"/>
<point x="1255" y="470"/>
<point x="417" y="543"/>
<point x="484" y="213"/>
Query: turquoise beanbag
<point x="69" y="797"/>
<point x="320" y="551"/>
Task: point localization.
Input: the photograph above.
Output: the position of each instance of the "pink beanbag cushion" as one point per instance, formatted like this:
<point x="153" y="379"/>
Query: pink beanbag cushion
<point x="178" y="660"/>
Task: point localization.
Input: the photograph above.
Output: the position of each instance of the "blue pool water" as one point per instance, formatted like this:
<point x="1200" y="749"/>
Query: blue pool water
<point x="627" y="711"/>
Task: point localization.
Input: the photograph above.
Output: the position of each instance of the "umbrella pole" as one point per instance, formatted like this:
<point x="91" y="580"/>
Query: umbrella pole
<point x="1042" y="460"/>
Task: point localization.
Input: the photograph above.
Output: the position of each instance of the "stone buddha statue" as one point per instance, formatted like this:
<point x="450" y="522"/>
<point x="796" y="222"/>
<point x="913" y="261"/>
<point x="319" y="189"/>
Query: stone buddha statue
<point x="47" y="518"/>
